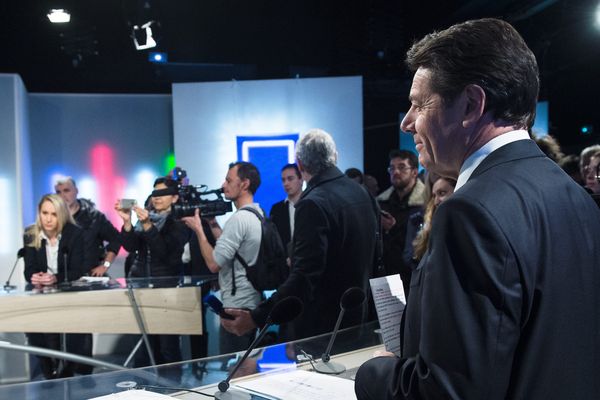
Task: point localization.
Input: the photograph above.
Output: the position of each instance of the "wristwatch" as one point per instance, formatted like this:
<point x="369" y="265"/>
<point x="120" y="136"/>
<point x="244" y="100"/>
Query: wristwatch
<point x="106" y="264"/>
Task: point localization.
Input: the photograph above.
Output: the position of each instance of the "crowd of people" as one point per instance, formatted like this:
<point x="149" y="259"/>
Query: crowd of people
<point x="497" y="243"/>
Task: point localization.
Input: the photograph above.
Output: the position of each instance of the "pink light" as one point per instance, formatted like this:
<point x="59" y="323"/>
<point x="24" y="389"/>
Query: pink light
<point x="110" y="186"/>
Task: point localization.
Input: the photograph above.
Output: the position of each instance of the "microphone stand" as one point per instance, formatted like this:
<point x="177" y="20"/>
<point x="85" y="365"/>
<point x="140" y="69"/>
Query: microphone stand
<point x="284" y="311"/>
<point x="224" y="385"/>
<point x="7" y="286"/>
<point x="351" y="298"/>
<point x="329" y="367"/>
<point x="66" y="277"/>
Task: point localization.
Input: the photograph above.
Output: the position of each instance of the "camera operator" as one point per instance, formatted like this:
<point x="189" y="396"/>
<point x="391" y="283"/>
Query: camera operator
<point x="193" y="262"/>
<point x="241" y="235"/>
<point x="157" y="241"/>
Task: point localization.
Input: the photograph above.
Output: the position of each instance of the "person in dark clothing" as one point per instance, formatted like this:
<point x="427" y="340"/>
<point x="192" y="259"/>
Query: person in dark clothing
<point x="196" y="266"/>
<point x="334" y="245"/>
<point x="402" y="206"/>
<point x="97" y="229"/>
<point x="157" y="240"/>
<point x="53" y="240"/>
<point x="97" y="257"/>
<point x="504" y="303"/>
<point x="282" y="213"/>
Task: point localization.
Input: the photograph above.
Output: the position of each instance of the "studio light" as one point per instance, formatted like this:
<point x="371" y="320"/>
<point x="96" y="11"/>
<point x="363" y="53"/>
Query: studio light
<point x="142" y="36"/>
<point x="59" y="16"/>
<point x="157" y="57"/>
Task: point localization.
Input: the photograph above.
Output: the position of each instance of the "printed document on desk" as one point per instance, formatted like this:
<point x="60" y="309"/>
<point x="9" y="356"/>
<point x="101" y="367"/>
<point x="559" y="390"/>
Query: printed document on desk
<point x="388" y="295"/>
<point x="133" y="395"/>
<point x="300" y="385"/>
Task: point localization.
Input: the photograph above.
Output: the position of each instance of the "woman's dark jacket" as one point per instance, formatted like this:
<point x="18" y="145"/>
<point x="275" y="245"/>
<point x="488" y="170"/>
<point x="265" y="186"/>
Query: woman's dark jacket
<point x="157" y="253"/>
<point x="70" y="247"/>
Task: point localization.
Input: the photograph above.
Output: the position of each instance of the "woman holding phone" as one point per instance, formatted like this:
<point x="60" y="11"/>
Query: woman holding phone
<point x="157" y="242"/>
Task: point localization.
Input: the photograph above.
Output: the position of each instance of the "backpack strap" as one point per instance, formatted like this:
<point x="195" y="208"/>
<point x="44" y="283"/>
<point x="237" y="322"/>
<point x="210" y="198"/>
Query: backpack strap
<point x="238" y="257"/>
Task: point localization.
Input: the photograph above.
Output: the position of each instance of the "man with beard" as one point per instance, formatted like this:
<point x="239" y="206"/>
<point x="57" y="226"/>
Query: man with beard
<point x="402" y="207"/>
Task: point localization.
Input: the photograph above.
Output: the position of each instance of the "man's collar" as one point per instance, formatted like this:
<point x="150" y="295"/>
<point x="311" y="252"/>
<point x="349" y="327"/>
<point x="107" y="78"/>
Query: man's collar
<point x="329" y="174"/>
<point x="473" y="161"/>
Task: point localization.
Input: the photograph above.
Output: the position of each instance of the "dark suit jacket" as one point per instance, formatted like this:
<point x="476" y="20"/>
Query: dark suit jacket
<point x="334" y="244"/>
<point x="281" y="218"/>
<point x="71" y="243"/>
<point x="504" y="305"/>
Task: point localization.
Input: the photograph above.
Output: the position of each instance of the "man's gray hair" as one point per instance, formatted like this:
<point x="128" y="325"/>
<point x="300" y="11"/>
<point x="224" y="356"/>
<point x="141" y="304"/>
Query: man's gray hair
<point x="63" y="180"/>
<point x="316" y="151"/>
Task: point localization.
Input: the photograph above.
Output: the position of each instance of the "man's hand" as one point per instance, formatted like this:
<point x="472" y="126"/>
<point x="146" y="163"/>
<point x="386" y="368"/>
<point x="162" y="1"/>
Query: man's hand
<point x="194" y="223"/>
<point x="387" y="221"/>
<point x="100" y="270"/>
<point x="383" y="353"/>
<point x="241" y="324"/>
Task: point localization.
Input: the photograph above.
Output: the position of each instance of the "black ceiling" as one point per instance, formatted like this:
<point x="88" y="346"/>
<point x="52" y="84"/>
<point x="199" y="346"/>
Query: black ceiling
<point x="208" y="40"/>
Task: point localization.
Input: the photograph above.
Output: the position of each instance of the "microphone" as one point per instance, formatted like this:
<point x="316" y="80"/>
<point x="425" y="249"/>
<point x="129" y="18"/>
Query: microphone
<point x="284" y="311"/>
<point x="7" y="286"/>
<point x="352" y="297"/>
<point x="65" y="259"/>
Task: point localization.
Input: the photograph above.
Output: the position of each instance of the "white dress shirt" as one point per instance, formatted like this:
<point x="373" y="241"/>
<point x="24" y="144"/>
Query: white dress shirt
<point x="473" y="161"/>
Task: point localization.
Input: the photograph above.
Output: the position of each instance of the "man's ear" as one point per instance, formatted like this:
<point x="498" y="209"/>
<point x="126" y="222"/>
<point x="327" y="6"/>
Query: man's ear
<point x="475" y="104"/>
<point x="245" y="184"/>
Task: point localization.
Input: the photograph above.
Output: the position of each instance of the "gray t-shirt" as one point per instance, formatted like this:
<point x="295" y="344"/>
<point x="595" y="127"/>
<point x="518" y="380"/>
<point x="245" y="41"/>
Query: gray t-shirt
<point x="241" y="234"/>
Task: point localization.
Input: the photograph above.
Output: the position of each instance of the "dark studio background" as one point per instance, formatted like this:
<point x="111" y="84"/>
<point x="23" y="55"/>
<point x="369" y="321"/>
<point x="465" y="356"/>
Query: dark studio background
<point x="221" y="40"/>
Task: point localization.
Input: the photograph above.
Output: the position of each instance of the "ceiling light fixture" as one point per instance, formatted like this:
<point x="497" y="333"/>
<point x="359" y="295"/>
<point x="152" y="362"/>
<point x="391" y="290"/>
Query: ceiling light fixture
<point x="59" y="16"/>
<point x="144" y="34"/>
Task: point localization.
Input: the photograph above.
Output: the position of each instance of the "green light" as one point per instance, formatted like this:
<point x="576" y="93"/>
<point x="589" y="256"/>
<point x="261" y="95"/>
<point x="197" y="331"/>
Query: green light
<point x="584" y="130"/>
<point x="169" y="163"/>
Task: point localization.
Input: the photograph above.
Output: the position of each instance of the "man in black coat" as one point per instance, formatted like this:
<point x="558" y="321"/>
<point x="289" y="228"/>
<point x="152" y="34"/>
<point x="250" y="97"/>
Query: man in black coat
<point x="282" y="213"/>
<point x="504" y="304"/>
<point x="333" y="244"/>
<point x="97" y="229"/>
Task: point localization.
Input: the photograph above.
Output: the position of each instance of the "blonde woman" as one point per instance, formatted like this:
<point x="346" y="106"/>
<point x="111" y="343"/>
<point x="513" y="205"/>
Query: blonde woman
<point x="49" y="242"/>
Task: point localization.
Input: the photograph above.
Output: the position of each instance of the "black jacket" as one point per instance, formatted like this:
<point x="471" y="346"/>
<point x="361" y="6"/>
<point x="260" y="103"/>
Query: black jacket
<point x="158" y="253"/>
<point x="334" y="243"/>
<point x="96" y="230"/>
<point x="505" y="302"/>
<point x="71" y="244"/>
<point x="280" y="216"/>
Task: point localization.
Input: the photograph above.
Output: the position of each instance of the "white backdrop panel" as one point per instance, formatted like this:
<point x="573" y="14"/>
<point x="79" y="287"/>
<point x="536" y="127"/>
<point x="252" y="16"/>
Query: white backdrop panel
<point x="208" y="117"/>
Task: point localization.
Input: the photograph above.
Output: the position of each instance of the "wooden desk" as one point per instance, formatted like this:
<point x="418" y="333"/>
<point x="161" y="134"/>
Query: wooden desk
<point x="164" y="311"/>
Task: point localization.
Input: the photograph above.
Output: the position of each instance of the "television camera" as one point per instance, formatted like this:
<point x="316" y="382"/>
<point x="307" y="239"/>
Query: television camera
<point x="192" y="197"/>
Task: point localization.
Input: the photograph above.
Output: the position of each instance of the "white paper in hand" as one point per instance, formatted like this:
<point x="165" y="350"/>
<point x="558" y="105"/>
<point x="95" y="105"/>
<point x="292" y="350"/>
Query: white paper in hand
<point x="388" y="295"/>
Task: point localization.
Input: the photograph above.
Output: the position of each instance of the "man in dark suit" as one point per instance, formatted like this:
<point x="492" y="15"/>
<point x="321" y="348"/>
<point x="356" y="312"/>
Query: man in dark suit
<point x="282" y="213"/>
<point x="334" y="244"/>
<point x="504" y="304"/>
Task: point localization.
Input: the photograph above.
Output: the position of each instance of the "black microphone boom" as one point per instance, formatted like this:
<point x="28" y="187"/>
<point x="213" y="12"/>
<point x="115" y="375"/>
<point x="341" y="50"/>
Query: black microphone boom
<point x="7" y="286"/>
<point x="284" y="311"/>
<point x="352" y="297"/>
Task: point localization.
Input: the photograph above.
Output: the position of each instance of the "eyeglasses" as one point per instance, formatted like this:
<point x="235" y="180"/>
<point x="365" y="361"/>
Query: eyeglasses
<point x="401" y="168"/>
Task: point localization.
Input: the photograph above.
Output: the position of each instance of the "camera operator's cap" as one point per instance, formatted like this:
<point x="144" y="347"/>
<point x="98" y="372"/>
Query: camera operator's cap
<point x="169" y="191"/>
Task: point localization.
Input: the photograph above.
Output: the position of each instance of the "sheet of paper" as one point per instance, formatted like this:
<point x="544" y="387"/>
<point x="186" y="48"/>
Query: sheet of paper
<point x="388" y="295"/>
<point x="300" y="385"/>
<point x="133" y="395"/>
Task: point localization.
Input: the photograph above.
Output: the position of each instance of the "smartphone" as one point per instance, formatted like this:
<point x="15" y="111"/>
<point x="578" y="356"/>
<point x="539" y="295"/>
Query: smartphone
<point x="216" y="306"/>
<point x="127" y="204"/>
